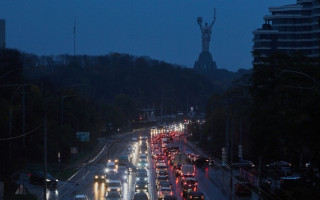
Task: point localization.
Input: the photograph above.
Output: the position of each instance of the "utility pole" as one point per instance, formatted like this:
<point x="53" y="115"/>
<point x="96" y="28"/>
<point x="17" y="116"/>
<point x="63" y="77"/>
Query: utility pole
<point x="45" y="158"/>
<point x="240" y="145"/>
<point x="74" y="38"/>
<point x="231" y="157"/>
<point x="23" y="115"/>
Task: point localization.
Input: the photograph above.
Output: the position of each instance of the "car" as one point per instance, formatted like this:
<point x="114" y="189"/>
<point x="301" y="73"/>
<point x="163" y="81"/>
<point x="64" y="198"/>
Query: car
<point x="164" y="191"/>
<point x="178" y="169"/>
<point x="161" y="166"/>
<point x="195" y="195"/>
<point x="188" y="185"/>
<point x="111" y="176"/>
<point x="243" y="164"/>
<point x="164" y="184"/>
<point x="162" y="172"/>
<point x="114" y="185"/>
<point x="81" y="197"/>
<point x="243" y="188"/>
<point x="114" y="195"/>
<point x="141" y="186"/>
<point x="143" y="157"/>
<point x="98" y="177"/>
<point x="140" y="196"/>
<point x="143" y="164"/>
<point x="202" y="161"/>
<point x="279" y="164"/>
<point x="169" y="197"/>
<point x="123" y="174"/>
<point x="111" y="167"/>
<point x="142" y="174"/>
<point x="162" y="178"/>
<point x="37" y="178"/>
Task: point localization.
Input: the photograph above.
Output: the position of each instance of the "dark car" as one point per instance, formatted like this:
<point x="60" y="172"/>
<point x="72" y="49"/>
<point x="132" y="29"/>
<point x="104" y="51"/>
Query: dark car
<point x="163" y="184"/>
<point x="202" y="161"/>
<point x="243" y="164"/>
<point x="37" y="178"/>
<point x="141" y="186"/>
<point x="278" y="164"/>
<point x="140" y="196"/>
<point x="243" y="188"/>
<point x="195" y="195"/>
<point x="169" y="197"/>
<point x="99" y="177"/>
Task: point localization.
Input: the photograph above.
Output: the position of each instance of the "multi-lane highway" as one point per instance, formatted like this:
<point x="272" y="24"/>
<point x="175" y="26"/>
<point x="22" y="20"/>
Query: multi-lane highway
<point x="146" y="153"/>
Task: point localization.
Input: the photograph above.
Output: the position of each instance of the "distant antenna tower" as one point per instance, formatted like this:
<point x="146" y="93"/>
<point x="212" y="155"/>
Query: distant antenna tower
<point x="74" y="38"/>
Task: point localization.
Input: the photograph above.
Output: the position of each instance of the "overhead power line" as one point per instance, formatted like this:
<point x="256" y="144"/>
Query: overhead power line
<point x="19" y="136"/>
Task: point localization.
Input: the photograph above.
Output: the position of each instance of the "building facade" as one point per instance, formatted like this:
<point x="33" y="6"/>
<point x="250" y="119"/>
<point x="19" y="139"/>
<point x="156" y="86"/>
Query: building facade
<point x="2" y="34"/>
<point x="289" y="29"/>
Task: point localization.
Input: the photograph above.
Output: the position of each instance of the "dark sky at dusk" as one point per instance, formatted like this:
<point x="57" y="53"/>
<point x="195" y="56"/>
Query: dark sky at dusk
<point x="161" y="29"/>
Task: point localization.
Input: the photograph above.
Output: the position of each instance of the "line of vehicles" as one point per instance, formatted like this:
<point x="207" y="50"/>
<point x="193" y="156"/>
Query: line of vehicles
<point x="165" y="153"/>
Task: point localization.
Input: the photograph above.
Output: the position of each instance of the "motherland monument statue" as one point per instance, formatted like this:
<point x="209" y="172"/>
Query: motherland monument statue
<point x="205" y="60"/>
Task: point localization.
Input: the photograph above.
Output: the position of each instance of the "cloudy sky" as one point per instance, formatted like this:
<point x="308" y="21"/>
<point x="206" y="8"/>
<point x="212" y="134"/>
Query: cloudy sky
<point x="161" y="29"/>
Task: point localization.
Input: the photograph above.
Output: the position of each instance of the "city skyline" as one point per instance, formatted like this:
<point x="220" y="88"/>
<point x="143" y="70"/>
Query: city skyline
<point x="163" y="30"/>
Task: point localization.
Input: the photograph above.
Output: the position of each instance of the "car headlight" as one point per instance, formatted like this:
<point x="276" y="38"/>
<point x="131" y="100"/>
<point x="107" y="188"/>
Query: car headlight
<point x="102" y="176"/>
<point x="118" y="189"/>
<point x="137" y="186"/>
<point x="57" y="180"/>
<point x="95" y="177"/>
<point x="48" y="180"/>
<point x="107" y="170"/>
<point x="146" y="186"/>
<point x="145" y="179"/>
<point x="109" y="189"/>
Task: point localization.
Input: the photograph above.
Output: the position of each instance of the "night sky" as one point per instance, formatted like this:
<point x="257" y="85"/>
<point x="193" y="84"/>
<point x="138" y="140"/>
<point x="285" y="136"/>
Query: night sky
<point x="161" y="29"/>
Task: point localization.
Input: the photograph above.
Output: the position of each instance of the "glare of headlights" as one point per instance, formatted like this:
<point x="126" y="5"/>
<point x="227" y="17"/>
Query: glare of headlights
<point x="95" y="177"/>
<point x="118" y="189"/>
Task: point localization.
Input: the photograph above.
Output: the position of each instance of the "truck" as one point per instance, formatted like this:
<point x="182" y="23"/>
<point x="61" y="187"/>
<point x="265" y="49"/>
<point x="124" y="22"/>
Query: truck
<point x="187" y="170"/>
<point x="179" y="158"/>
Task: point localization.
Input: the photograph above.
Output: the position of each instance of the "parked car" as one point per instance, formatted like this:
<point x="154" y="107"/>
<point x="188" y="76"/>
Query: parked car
<point x="243" y="164"/>
<point x="37" y="178"/>
<point x="279" y="164"/>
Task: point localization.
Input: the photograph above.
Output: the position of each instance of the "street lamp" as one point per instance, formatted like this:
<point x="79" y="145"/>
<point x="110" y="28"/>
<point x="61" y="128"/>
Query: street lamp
<point x="62" y="102"/>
